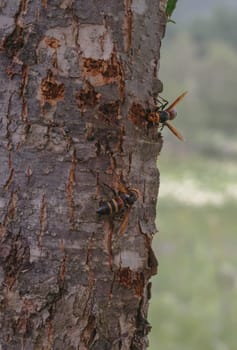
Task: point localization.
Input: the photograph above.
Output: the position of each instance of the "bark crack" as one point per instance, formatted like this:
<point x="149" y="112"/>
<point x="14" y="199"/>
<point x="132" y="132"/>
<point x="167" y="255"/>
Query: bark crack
<point x="70" y="189"/>
<point x="9" y="180"/>
<point x="11" y="209"/>
<point x="24" y="82"/>
<point x="128" y="19"/>
<point x="62" y="269"/>
<point x="43" y="220"/>
<point x="89" y="262"/>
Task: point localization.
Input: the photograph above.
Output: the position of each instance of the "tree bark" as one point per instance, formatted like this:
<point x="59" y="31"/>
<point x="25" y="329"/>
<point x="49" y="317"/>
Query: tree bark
<point x="74" y="76"/>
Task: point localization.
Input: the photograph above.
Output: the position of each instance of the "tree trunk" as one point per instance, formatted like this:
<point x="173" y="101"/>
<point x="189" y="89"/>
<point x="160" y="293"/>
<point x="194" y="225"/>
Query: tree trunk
<point x="76" y="79"/>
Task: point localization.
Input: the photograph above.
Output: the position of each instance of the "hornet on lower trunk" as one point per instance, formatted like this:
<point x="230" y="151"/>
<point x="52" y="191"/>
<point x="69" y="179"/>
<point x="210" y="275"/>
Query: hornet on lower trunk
<point x="119" y="203"/>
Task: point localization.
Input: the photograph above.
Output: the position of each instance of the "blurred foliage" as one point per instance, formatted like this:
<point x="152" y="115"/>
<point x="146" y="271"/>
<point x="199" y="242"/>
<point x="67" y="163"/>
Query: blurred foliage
<point x="170" y="7"/>
<point x="194" y="296"/>
<point x="221" y="26"/>
<point x="202" y="58"/>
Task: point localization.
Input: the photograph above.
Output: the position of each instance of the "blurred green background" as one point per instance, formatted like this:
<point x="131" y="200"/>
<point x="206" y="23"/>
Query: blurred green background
<point x="194" y="295"/>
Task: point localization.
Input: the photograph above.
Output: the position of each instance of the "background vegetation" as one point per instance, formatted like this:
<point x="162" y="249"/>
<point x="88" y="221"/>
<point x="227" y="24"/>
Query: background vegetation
<point x="194" y="299"/>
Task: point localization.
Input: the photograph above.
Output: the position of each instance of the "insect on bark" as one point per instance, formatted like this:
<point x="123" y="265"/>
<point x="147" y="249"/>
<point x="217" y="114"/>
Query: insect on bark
<point x="119" y="203"/>
<point x="163" y="115"/>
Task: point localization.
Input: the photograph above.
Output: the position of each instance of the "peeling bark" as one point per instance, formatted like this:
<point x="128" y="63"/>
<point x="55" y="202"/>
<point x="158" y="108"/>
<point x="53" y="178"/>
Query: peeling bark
<point x="76" y="80"/>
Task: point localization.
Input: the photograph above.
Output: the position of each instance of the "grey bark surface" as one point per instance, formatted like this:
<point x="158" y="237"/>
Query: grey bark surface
<point x="70" y="72"/>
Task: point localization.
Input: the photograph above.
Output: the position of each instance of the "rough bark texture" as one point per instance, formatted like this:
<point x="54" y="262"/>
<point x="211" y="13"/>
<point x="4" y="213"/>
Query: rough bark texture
<point x="72" y="74"/>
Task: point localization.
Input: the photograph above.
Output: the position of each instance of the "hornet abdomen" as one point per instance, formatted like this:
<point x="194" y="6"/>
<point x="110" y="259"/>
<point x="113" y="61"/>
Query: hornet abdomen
<point x="164" y="116"/>
<point x="119" y="203"/>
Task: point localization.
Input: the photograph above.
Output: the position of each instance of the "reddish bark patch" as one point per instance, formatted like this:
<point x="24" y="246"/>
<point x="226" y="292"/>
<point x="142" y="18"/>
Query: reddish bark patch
<point x="52" y="91"/>
<point x="132" y="280"/>
<point x="87" y="97"/>
<point x="44" y="4"/>
<point x="109" y="112"/>
<point x="52" y="42"/>
<point x="144" y="118"/>
<point x="137" y="114"/>
<point x="109" y="69"/>
<point x="102" y="72"/>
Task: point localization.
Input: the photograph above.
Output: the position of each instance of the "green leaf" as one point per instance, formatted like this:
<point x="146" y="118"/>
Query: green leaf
<point x="171" y="4"/>
<point x="171" y="21"/>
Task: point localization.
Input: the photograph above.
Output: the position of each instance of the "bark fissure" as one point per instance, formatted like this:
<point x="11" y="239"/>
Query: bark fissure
<point x="43" y="221"/>
<point x="9" y="180"/>
<point x="10" y="209"/>
<point x="128" y="25"/>
<point x="24" y="113"/>
<point x="70" y="188"/>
